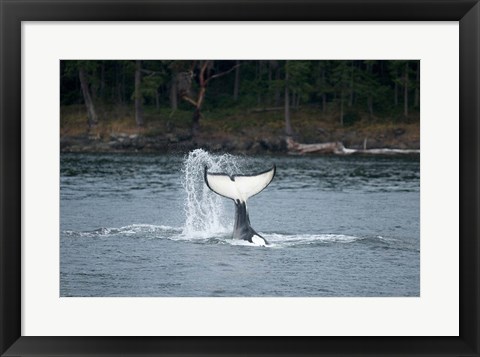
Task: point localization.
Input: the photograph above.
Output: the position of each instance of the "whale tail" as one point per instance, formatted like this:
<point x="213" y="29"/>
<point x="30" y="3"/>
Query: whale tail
<point x="238" y="187"/>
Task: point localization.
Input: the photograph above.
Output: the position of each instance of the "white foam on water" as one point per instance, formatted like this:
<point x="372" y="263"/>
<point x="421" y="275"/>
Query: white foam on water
<point x="386" y="239"/>
<point x="286" y="240"/>
<point x="275" y="240"/>
<point x="244" y="243"/>
<point x="126" y="230"/>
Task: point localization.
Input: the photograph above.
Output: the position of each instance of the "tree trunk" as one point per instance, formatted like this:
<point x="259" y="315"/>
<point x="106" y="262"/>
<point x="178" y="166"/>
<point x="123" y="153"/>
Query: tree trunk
<point x="370" y="106"/>
<point x="91" y="114"/>
<point x="138" y="94"/>
<point x="124" y="86"/>
<point x="370" y="96"/>
<point x="395" y="98"/>
<point x="397" y="79"/>
<point x="276" y="97"/>
<point x="350" y="102"/>
<point x="405" y="94"/>
<point x="288" y="125"/>
<point x="271" y="72"/>
<point x="324" y="95"/>
<point x="157" y="100"/>
<point x="114" y="91"/>
<point x="173" y="93"/>
<point x="203" y="78"/>
<point x="341" y="108"/>
<point x="118" y="85"/>
<point x="257" y="79"/>
<point x="196" y="121"/>
<point x="417" y="87"/>
<point x="236" y="86"/>
<point x="102" y="81"/>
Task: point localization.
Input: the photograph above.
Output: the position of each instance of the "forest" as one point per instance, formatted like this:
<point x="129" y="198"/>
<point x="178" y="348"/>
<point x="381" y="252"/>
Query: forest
<point x="195" y="101"/>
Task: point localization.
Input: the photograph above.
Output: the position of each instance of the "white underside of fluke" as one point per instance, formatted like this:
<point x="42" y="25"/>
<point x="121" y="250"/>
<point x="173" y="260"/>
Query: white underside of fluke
<point x="239" y="187"/>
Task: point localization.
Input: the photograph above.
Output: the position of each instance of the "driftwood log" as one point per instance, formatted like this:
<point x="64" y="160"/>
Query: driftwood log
<point x="338" y="148"/>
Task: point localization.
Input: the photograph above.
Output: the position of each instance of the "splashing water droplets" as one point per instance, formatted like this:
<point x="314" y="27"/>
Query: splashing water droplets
<point x="204" y="210"/>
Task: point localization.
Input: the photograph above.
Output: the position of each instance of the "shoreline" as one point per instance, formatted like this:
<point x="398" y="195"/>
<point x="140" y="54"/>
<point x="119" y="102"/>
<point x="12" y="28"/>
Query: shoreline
<point x="244" y="133"/>
<point x="134" y="143"/>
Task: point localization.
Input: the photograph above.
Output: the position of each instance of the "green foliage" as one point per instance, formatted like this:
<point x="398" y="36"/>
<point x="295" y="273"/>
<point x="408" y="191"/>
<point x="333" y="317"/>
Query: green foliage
<point x="300" y="81"/>
<point x="341" y="76"/>
<point x="375" y="87"/>
<point x="154" y="75"/>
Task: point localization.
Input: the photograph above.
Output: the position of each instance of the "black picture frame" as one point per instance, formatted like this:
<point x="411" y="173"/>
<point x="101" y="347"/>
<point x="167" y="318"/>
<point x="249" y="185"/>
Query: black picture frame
<point x="13" y="12"/>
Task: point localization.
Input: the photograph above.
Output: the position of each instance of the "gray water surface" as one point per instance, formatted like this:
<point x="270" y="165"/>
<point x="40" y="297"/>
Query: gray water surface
<point x="338" y="226"/>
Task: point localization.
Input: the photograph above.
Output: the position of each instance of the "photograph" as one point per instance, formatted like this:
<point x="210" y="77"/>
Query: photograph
<point x="240" y="178"/>
<point x="198" y="178"/>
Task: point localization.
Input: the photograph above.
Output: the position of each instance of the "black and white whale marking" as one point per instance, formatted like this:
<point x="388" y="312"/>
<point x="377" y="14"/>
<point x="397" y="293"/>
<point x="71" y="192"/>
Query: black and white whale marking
<point x="239" y="188"/>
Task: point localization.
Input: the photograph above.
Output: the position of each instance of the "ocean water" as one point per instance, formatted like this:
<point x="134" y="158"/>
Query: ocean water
<point x="147" y="225"/>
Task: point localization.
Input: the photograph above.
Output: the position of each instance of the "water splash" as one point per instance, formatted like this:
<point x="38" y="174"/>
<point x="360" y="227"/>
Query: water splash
<point x="204" y="210"/>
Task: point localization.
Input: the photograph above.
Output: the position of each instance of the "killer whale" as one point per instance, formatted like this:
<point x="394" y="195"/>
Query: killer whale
<point x="239" y="188"/>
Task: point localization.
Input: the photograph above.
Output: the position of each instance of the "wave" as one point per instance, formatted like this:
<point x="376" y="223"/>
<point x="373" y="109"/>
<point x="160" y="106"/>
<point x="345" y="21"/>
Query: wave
<point x="130" y="230"/>
<point x="224" y="237"/>
<point x="218" y="236"/>
<point x="306" y="239"/>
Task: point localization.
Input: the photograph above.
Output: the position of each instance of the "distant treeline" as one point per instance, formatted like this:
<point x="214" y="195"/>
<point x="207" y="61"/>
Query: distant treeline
<point x="375" y="87"/>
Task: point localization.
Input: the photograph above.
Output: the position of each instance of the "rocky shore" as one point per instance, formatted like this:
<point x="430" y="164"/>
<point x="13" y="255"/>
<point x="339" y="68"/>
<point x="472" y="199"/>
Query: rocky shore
<point x="121" y="142"/>
<point x="249" y="144"/>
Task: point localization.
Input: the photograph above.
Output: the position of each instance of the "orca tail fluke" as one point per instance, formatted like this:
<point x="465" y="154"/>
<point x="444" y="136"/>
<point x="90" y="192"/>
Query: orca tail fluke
<point x="238" y="187"/>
